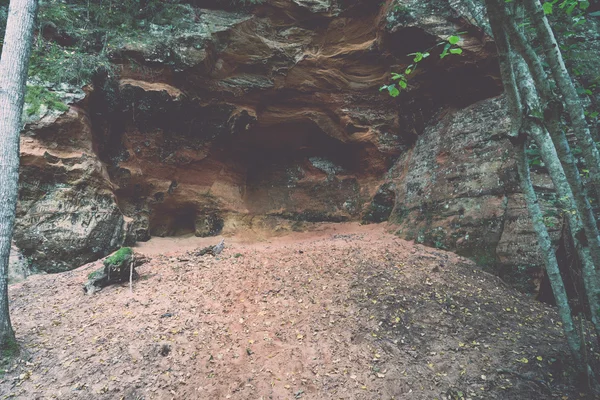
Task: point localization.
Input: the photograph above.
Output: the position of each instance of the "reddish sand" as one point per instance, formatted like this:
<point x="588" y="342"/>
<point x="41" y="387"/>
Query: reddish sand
<point x="344" y="312"/>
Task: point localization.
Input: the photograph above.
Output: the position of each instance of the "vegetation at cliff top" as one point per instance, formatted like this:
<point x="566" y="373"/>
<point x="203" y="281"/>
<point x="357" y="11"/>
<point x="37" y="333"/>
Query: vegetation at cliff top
<point x="76" y="39"/>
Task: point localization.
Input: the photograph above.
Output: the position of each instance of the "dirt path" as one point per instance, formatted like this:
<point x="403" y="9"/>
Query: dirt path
<point x="348" y="312"/>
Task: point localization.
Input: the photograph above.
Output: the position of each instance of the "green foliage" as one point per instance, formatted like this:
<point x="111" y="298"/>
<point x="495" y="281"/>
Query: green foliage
<point x="38" y="95"/>
<point x="449" y="47"/>
<point x="53" y="63"/>
<point x="77" y="37"/>
<point x="118" y="258"/>
<point x="567" y="5"/>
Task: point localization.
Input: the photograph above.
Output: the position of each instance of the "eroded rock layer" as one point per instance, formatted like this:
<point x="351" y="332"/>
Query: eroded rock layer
<point x="457" y="188"/>
<point x="265" y="119"/>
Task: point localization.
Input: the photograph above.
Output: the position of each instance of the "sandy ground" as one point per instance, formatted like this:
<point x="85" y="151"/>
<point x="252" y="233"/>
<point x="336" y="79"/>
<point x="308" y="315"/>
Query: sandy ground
<point x="346" y="312"/>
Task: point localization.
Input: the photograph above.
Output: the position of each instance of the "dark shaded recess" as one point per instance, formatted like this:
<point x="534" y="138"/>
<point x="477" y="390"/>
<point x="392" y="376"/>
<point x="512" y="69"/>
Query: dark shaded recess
<point x="268" y="152"/>
<point x="209" y="224"/>
<point x="456" y="81"/>
<point x="172" y="220"/>
<point x="175" y="219"/>
<point x="462" y="85"/>
<point x="571" y="273"/>
<point x="404" y="41"/>
<point x="382" y="205"/>
<point x="108" y="122"/>
<point x="359" y="8"/>
<point x="277" y="158"/>
<point x="52" y="33"/>
<point x="179" y="119"/>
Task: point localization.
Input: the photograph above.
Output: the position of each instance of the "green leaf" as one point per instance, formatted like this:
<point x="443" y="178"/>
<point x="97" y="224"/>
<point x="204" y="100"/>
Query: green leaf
<point x="396" y="76"/>
<point x="594" y="14"/>
<point x="394" y="92"/>
<point x="418" y="57"/>
<point x="584" y="5"/>
<point x="456" y="51"/>
<point x="547" y="7"/>
<point x="408" y="71"/>
<point x="402" y="84"/>
<point x="453" y="39"/>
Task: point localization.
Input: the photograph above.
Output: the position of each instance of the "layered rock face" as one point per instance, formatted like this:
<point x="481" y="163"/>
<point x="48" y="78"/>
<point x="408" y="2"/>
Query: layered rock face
<point x="268" y="119"/>
<point x="457" y="188"/>
<point x="67" y="213"/>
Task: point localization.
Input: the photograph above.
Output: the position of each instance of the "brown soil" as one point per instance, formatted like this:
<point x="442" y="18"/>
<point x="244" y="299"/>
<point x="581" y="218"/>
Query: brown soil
<point x="347" y="312"/>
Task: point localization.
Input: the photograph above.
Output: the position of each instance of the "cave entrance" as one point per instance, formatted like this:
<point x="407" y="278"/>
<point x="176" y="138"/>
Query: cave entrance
<point x="295" y="167"/>
<point x="173" y="221"/>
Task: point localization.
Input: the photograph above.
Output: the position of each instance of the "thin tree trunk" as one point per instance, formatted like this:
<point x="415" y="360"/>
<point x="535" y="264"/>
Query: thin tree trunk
<point x="551" y="159"/>
<point x="14" y="62"/>
<point x="546" y="249"/>
<point x="589" y="236"/>
<point x="548" y="255"/>
<point x="565" y="84"/>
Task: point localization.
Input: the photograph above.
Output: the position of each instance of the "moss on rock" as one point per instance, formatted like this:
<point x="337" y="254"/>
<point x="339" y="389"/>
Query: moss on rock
<point x="122" y="255"/>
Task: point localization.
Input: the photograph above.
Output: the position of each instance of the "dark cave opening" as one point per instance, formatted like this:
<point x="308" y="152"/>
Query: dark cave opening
<point x="295" y="167"/>
<point x="173" y="220"/>
<point x="268" y="150"/>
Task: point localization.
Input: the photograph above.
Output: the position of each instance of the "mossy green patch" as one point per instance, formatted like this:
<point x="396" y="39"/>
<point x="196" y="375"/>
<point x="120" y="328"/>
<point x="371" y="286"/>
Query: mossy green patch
<point x="96" y="274"/>
<point x="36" y="96"/>
<point x="119" y="257"/>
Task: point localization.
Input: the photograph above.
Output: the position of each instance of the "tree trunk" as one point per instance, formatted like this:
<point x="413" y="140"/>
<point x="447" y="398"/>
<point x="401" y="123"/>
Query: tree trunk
<point x="14" y="63"/>
<point x="565" y="84"/>
<point x="496" y="17"/>
<point x="548" y="255"/>
<point x="588" y="236"/>
<point x="560" y="180"/>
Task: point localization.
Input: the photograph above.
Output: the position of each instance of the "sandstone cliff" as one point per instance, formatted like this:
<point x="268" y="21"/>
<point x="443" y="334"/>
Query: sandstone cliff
<point x="272" y="119"/>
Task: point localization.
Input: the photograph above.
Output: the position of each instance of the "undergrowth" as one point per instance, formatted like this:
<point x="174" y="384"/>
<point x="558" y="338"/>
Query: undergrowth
<point x="36" y="96"/>
<point x="76" y="39"/>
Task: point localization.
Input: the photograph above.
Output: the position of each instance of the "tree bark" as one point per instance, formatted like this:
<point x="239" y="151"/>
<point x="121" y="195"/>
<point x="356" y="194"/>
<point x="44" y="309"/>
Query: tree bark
<point x="14" y="63"/>
<point x="546" y="145"/>
<point x="520" y="128"/>
<point x="548" y="255"/>
<point x="565" y="84"/>
<point x="588" y="236"/>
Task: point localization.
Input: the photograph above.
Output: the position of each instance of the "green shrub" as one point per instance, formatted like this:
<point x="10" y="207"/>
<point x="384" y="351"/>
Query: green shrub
<point x="53" y="63"/>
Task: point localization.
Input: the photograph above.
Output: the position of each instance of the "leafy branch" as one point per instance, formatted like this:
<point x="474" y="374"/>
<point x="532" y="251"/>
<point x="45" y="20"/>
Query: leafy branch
<point x="400" y="83"/>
